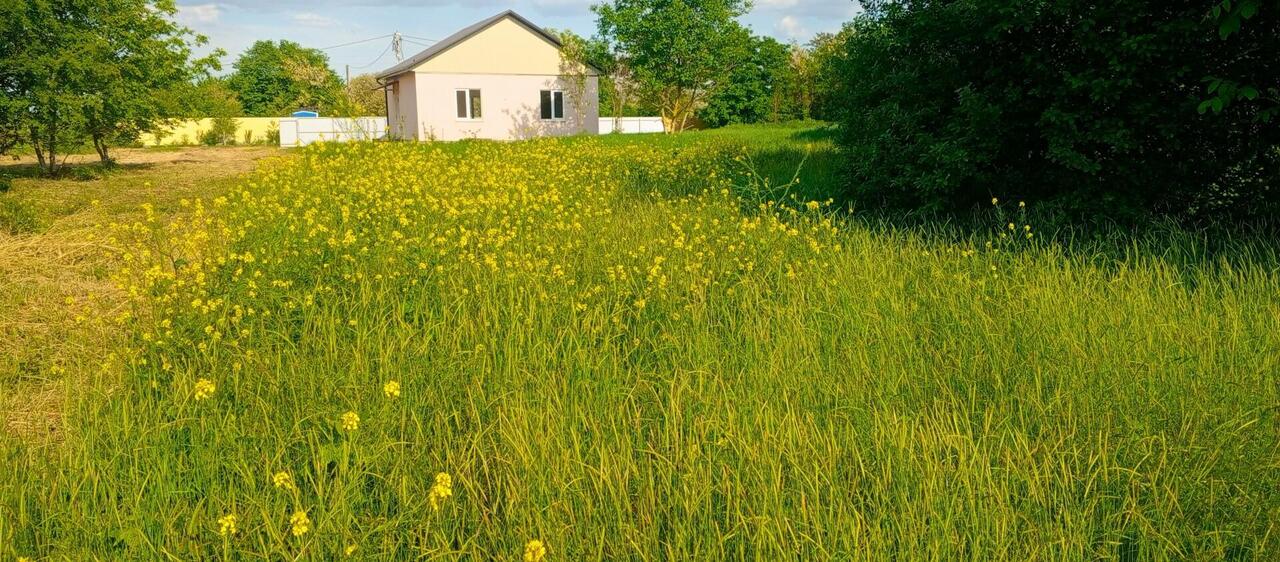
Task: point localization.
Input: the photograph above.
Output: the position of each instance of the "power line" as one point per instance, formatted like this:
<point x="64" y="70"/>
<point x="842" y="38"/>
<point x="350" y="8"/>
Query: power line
<point x="357" y="42"/>
<point x="420" y="38"/>
<point x="375" y="61"/>
<point x="419" y="43"/>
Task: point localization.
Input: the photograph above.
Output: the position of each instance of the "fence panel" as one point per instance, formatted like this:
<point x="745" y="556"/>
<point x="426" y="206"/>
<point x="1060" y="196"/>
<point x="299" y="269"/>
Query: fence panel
<point x="631" y="125"/>
<point x="330" y="129"/>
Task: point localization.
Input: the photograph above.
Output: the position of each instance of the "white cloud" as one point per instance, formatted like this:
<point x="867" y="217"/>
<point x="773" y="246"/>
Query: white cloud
<point x="199" y="13"/>
<point x="791" y="28"/>
<point x="777" y="4"/>
<point x="311" y="19"/>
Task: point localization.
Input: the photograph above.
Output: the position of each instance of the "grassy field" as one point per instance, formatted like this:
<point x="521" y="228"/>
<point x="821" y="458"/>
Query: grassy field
<point x="641" y="348"/>
<point x="54" y="275"/>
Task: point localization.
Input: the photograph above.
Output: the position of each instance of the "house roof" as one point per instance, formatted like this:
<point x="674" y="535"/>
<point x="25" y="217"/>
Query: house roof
<point x="464" y="34"/>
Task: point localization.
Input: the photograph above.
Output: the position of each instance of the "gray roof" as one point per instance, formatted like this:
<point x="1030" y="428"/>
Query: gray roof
<point x="464" y="34"/>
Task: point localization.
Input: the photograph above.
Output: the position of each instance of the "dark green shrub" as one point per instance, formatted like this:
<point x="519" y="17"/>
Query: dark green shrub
<point x="1094" y="109"/>
<point x="222" y="131"/>
<point x="84" y="173"/>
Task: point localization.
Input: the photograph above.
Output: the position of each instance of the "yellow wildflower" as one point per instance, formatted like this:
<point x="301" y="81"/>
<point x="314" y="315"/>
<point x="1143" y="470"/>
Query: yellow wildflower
<point x="205" y="389"/>
<point x="350" y="421"/>
<point x="534" y="551"/>
<point x="299" y="524"/>
<point x="227" y="525"/>
<point x="391" y="389"/>
<point x="441" y="491"/>
<point x="995" y="201"/>
<point x="1022" y="204"/>
<point x="282" y="480"/>
<point x="351" y="549"/>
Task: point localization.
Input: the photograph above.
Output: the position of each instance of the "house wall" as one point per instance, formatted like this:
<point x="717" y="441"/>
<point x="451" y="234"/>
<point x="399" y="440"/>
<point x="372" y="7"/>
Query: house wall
<point x="402" y="110"/>
<point x="506" y="47"/>
<point x="510" y="106"/>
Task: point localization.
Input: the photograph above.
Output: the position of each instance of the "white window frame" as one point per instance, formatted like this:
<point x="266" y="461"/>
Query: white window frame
<point x="553" y="105"/>
<point x="470" y="110"/>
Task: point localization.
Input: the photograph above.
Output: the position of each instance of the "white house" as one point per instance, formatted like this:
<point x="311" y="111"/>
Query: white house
<point x="501" y="78"/>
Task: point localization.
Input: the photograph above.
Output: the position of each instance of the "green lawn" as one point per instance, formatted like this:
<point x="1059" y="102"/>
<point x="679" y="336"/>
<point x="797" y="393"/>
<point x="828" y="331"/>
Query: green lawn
<point x="651" y="348"/>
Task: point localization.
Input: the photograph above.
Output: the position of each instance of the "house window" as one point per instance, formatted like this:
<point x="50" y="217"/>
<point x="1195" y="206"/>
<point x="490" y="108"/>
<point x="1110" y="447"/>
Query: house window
<point x="468" y="104"/>
<point x="552" y="105"/>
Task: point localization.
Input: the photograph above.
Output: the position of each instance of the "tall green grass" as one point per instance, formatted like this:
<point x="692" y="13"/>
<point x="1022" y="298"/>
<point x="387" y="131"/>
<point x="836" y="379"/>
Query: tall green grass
<point x="613" y="346"/>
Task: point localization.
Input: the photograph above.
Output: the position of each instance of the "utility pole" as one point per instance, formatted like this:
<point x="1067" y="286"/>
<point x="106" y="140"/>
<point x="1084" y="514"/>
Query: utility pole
<point x="396" y="46"/>
<point x="348" y="74"/>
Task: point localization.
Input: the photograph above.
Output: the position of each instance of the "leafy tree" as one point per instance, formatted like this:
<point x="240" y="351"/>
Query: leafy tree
<point x="826" y="54"/>
<point x="211" y="97"/>
<point x="12" y="119"/>
<point x="799" y="86"/>
<point x="1251" y="77"/>
<point x="681" y="52"/>
<point x="366" y="96"/>
<point x="1091" y="107"/>
<point x="273" y="79"/>
<point x="574" y="65"/>
<point x="755" y="90"/>
<point x="135" y="53"/>
<point x="618" y="88"/>
<point x="222" y="131"/>
<point x="89" y="70"/>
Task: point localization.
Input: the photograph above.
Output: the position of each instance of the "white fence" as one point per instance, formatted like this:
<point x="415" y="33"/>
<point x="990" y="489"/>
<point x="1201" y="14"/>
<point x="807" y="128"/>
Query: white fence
<point x="301" y="131"/>
<point x="631" y="125"/>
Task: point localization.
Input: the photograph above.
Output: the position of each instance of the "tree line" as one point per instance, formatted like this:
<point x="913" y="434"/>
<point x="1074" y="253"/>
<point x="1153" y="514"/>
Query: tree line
<point x="1096" y="110"/>
<point x="88" y="72"/>
<point x="1111" y="111"/>
<point x="102" y="72"/>
<point x="99" y="73"/>
<point x="693" y="63"/>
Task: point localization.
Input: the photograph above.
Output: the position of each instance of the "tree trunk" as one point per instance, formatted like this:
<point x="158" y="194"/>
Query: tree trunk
<point x="37" y="146"/>
<point x="100" y="146"/>
<point x="619" y="105"/>
<point x="53" y="153"/>
<point x="52" y="148"/>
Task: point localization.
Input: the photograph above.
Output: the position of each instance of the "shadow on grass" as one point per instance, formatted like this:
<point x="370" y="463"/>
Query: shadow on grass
<point x="792" y="173"/>
<point x="819" y="134"/>
<point x="76" y="172"/>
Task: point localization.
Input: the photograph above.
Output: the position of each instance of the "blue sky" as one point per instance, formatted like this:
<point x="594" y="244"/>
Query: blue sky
<point x="233" y="25"/>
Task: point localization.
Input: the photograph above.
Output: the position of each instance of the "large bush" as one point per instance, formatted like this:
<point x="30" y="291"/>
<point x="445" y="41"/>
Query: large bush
<point x="1097" y="108"/>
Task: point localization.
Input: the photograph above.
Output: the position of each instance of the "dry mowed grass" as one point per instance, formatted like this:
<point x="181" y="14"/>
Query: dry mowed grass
<point x="53" y="274"/>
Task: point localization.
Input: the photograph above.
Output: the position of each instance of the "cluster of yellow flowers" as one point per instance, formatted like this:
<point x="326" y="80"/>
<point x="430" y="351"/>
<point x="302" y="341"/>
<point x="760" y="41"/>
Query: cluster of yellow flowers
<point x="391" y="389"/>
<point x="283" y="481"/>
<point x="441" y="491"/>
<point x="534" y="551"/>
<point x="350" y="421"/>
<point x="299" y="523"/>
<point x="548" y="224"/>
<point x="227" y="525"/>
<point x="204" y="389"/>
<point x="469" y="221"/>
